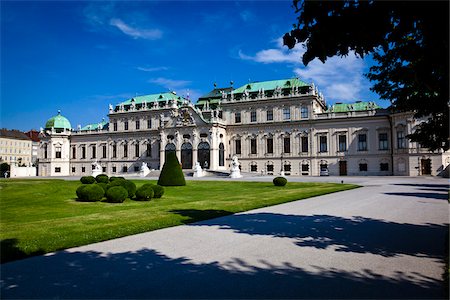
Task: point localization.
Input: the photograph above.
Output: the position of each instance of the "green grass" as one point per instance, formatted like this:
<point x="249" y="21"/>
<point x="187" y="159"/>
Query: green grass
<point x="41" y="216"/>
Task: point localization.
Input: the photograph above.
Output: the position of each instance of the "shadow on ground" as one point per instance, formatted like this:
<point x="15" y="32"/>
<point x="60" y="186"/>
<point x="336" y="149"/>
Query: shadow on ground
<point x="149" y="274"/>
<point x="9" y="251"/>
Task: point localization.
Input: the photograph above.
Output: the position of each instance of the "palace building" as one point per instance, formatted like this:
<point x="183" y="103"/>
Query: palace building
<point x="272" y="127"/>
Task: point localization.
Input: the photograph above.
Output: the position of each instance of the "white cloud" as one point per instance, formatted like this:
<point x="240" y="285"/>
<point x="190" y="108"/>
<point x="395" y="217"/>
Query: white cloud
<point x="152" y="69"/>
<point x="275" y="55"/>
<point x="170" y="84"/>
<point x="136" y="33"/>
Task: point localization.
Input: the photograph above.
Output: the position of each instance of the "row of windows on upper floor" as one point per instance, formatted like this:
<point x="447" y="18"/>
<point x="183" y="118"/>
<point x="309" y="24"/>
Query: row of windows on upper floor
<point x="20" y="144"/>
<point x="14" y="150"/>
<point x="268" y="115"/>
<point x="342" y="145"/>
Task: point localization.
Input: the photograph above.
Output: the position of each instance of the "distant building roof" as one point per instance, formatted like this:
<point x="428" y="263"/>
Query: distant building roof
<point x="33" y="135"/>
<point x="271" y="85"/>
<point x="58" y="122"/>
<point x="153" y="98"/>
<point x="13" y="134"/>
<point x="94" y="126"/>
<point x="213" y="97"/>
<point x="357" y="106"/>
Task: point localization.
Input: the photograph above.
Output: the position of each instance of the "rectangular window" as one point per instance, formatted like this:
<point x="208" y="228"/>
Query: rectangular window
<point x="287" y="145"/>
<point x="138" y="125"/>
<point x="238" y="146"/>
<point x="270" y="145"/>
<point x="383" y="141"/>
<point x="253" y="146"/>
<point x="83" y="169"/>
<point x="304" y="144"/>
<point x="149" y="150"/>
<point x="136" y="150"/>
<point x="286" y="113"/>
<point x="363" y="167"/>
<point x="114" y="150"/>
<point x="253" y="168"/>
<point x="104" y="151"/>
<point x="124" y="169"/>
<point x="362" y="142"/>
<point x="136" y="168"/>
<point x="74" y="152"/>
<point x="73" y="169"/>
<point x="103" y="169"/>
<point x="384" y="167"/>
<point x="83" y="152"/>
<point x="401" y="140"/>
<point x="114" y="169"/>
<point x="125" y="125"/>
<point x="149" y="123"/>
<point x="287" y="168"/>
<point x="253" y="116"/>
<point x="125" y="150"/>
<point x="342" y="143"/>
<point x="115" y="126"/>
<point x="94" y="152"/>
<point x="323" y="144"/>
<point x="305" y="168"/>
<point x="58" y="152"/>
<point x="269" y="168"/>
<point x="270" y="115"/>
<point x="237" y="117"/>
<point x="57" y="170"/>
<point x="304" y="112"/>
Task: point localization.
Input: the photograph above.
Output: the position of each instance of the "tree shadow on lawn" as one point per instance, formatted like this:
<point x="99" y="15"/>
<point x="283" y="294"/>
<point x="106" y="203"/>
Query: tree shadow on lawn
<point x="9" y="251"/>
<point x="356" y="234"/>
<point x="152" y="275"/>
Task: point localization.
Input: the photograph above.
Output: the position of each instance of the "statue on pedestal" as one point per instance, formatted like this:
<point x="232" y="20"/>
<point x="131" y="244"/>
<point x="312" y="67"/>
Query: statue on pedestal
<point x="235" y="170"/>
<point x="198" y="172"/>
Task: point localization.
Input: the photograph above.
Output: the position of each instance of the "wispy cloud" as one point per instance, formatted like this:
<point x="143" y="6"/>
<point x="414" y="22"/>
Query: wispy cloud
<point x="134" y="32"/>
<point x="340" y="79"/>
<point x="171" y="84"/>
<point x="152" y="69"/>
<point x="247" y="16"/>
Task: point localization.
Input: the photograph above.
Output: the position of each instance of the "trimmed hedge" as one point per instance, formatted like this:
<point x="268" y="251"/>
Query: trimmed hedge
<point x="90" y="193"/>
<point x="116" y="194"/>
<point x="144" y="193"/>
<point x="112" y="178"/>
<point x="104" y="186"/>
<point x="87" y="180"/>
<point x="102" y="178"/>
<point x="79" y="189"/>
<point x="279" y="181"/>
<point x="171" y="173"/>
<point x="128" y="185"/>
<point x="158" y="191"/>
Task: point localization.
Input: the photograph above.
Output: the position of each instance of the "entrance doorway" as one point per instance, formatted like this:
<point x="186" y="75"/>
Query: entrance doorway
<point x="425" y="165"/>
<point x="342" y="168"/>
<point x="186" y="156"/>
<point x="169" y="148"/>
<point x="203" y="155"/>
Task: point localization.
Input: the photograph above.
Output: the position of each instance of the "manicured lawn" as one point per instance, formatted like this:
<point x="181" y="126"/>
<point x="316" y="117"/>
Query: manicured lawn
<point x="41" y="216"/>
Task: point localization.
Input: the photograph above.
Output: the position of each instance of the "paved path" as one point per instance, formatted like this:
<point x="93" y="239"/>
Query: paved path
<point x="385" y="240"/>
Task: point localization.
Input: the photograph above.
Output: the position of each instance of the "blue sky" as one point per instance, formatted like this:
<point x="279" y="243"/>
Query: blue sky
<point x="80" y="56"/>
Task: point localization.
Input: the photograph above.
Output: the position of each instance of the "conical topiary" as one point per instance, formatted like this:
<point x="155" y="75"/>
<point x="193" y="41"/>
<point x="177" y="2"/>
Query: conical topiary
<point x="171" y="173"/>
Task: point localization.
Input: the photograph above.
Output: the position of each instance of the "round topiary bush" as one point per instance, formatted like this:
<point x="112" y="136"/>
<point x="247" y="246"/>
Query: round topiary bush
<point x="112" y="178"/>
<point x="128" y="185"/>
<point x="158" y="191"/>
<point x="116" y="194"/>
<point x="87" y="180"/>
<point x="79" y="189"/>
<point x="102" y="178"/>
<point x="104" y="186"/>
<point x="279" y="181"/>
<point x="144" y="193"/>
<point x="91" y="193"/>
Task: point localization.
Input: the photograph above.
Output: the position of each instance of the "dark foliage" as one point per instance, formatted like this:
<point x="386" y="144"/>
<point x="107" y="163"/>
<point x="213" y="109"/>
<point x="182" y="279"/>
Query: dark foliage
<point x="171" y="173"/>
<point x="409" y="42"/>
<point x="102" y="178"/>
<point x="127" y="184"/>
<point x="144" y="193"/>
<point x="112" y="178"/>
<point x="87" y="180"/>
<point x="4" y="167"/>
<point x="116" y="194"/>
<point x="158" y="191"/>
<point x="104" y="186"/>
<point x="279" y="181"/>
<point x="90" y="193"/>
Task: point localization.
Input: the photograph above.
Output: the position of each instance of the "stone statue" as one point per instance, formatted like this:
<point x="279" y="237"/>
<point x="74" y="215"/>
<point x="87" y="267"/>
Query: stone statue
<point x="97" y="169"/>
<point x="235" y="170"/>
<point x="111" y="108"/>
<point x="198" y="172"/>
<point x="144" y="171"/>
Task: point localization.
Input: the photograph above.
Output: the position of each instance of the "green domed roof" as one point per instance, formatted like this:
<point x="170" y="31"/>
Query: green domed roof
<point x="58" y="122"/>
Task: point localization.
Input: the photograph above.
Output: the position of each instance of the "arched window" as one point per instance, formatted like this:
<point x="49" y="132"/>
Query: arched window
<point x="203" y="154"/>
<point x="186" y="156"/>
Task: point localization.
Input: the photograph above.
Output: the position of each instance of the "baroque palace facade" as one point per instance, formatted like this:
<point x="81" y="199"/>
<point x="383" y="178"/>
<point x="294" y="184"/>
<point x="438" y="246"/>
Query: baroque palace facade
<point x="272" y="127"/>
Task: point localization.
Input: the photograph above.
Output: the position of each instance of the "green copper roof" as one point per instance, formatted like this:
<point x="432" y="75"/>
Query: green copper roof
<point x="271" y="85"/>
<point x="358" y="106"/>
<point x="215" y="93"/>
<point x="58" y="122"/>
<point x="154" y="98"/>
<point x="102" y="125"/>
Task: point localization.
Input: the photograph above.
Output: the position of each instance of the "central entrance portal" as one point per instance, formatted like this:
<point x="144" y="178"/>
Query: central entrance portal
<point x="203" y="155"/>
<point x="425" y="166"/>
<point x="186" y="156"/>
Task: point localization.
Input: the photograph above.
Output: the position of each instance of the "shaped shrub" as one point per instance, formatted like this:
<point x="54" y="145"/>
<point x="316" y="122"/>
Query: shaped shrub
<point x="128" y="185"/>
<point x="87" y="180"/>
<point x="279" y="181"/>
<point x="91" y="193"/>
<point x="116" y="194"/>
<point x="104" y="186"/>
<point x="102" y="178"/>
<point x="79" y="189"/>
<point x="144" y="193"/>
<point x="158" y="191"/>
<point x="112" y="178"/>
<point x="171" y="173"/>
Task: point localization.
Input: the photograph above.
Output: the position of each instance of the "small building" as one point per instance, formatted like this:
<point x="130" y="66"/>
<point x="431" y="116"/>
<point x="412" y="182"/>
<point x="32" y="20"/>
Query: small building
<point x="15" y="147"/>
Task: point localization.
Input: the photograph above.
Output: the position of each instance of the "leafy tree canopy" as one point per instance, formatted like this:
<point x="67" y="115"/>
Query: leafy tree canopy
<point x="409" y="41"/>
